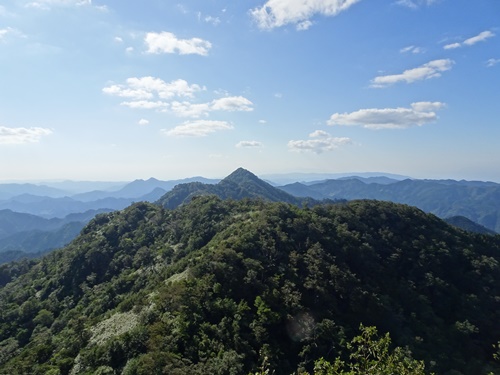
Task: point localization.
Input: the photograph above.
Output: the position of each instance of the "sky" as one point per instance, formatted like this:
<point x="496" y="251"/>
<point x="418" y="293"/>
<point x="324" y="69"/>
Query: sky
<point x="114" y="90"/>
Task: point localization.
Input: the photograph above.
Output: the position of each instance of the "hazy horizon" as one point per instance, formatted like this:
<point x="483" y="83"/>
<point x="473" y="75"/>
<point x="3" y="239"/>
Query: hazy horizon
<point x="106" y="90"/>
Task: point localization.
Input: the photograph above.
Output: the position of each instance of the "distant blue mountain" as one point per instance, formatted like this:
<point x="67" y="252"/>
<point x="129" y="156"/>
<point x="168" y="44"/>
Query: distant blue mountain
<point x="475" y="200"/>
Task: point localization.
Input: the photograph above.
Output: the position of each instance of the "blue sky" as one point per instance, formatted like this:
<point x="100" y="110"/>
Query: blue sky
<point x="119" y="90"/>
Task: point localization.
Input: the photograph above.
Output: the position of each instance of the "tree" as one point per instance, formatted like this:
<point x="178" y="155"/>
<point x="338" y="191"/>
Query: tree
<point x="372" y="356"/>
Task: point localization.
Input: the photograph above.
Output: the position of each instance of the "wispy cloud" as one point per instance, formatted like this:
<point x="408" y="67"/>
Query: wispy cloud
<point x="143" y="122"/>
<point x="277" y="13"/>
<point x="319" y="141"/>
<point x="198" y="128"/>
<point x="411" y="49"/>
<point x="414" y="4"/>
<point x="481" y="37"/>
<point x="419" y="113"/>
<point x="492" y="62"/>
<point x="48" y="4"/>
<point x="208" y="19"/>
<point x="431" y="69"/>
<point x="22" y="135"/>
<point x="166" y="42"/>
<point x="9" y="31"/>
<point x="249" y="144"/>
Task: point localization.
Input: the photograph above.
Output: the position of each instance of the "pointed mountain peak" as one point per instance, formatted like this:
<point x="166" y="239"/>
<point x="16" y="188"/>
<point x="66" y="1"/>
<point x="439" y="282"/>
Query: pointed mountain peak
<point x="241" y="175"/>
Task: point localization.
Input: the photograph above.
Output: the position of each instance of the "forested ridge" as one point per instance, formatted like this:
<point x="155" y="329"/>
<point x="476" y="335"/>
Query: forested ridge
<point x="221" y="287"/>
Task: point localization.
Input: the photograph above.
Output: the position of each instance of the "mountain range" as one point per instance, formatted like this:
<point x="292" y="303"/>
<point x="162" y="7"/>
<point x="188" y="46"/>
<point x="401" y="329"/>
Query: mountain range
<point x="475" y="200"/>
<point x="471" y="205"/>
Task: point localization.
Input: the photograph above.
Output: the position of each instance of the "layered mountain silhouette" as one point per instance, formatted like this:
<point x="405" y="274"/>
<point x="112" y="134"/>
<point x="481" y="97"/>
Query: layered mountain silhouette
<point x="476" y="200"/>
<point x="238" y="185"/>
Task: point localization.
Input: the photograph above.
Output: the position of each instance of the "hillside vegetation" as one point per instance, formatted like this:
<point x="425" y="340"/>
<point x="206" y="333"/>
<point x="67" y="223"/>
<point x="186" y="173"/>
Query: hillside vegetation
<point x="239" y="287"/>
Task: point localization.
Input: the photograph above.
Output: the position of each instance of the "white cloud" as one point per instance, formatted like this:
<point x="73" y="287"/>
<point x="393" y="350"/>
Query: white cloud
<point x="249" y="144"/>
<point x="305" y="25"/>
<point x="47" y="4"/>
<point x="277" y="13"/>
<point x="198" y="128"/>
<point x="143" y="122"/>
<point x="431" y="69"/>
<point x="419" y="113"/>
<point x="492" y="62"/>
<point x="411" y="49"/>
<point x="481" y="37"/>
<point x="22" y="135"/>
<point x="166" y="42"/>
<point x="232" y="103"/>
<point x="145" y="104"/>
<point x="118" y="39"/>
<point x="228" y="104"/>
<point x="263" y="122"/>
<point x="320" y="141"/>
<point x="188" y="109"/>
<point x="154" y="93"/>
<point x="452" y="46"/>
<point x="414" y="4"/>
<point x="129" y="49"/>
<point x="148" y="87"/>
<point x="5" y="32"/>
<point x="213" y="20"/>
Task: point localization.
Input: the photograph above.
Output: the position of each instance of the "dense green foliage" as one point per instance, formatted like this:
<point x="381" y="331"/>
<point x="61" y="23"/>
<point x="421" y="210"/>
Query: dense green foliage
<point x="217" y="287"/>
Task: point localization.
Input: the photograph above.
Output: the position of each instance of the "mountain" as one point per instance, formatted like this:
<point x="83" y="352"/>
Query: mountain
<point x="477" y="201"/>
<point x="139" y="188"/>
<point x="60" y="207"/>
<point x="288" y="178"/>
<point x="238" y="185"/>
<point x="240" y="287"/>
<point x="10" y="190"/>
<point x="468" y="225"/>
<point x="25" y="234"/>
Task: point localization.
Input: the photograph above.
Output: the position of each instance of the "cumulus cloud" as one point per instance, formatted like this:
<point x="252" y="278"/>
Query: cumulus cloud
<point x="198" y="128"/>
<point x="145" y="104"/>
<point x="277" y="13"/>
<point x="228" y="104"/>
<point x="319" y="141"/>
<point x="419" y="113"/>
<point x="22" y="135"/>
<point x="166" y="42"/>
<point x="143" y="122"/>
<point x="149" y="87"/>
<point x="431" y="69"/>
<point x="492" y="62"/>
<point x="481" y="37"/>
<point x="188" y="109"/>
<point x="232" y="103"/>
<point x="249" y="144"/>
<point x="154" y="93"/>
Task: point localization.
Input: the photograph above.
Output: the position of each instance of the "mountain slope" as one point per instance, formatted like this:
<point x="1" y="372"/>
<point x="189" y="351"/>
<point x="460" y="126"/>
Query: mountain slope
<point x="217" y="286"/>
<point x="238" y="185"/>
<point x="478" y="201"/>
